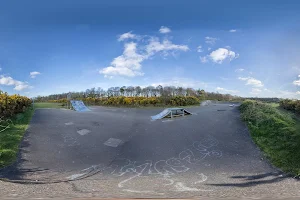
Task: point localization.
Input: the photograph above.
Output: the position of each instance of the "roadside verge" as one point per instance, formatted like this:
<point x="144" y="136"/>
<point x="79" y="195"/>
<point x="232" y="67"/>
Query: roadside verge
<point x="275" y="132"/>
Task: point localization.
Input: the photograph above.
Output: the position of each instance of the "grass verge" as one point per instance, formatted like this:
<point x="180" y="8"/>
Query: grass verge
<point x="48" y="105"/>
<point x="12" y="136"/>
<point x="276" y="132"/>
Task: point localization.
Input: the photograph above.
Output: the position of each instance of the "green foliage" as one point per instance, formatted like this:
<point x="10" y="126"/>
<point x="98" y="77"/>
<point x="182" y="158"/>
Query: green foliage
<point x="275" y="132"/>
<point x="48" y="105"/>
<point x="293" y="105"/>
<point x="137" y="101"/>
<point x="11" y="137"/>
<point x="12" y="104"/>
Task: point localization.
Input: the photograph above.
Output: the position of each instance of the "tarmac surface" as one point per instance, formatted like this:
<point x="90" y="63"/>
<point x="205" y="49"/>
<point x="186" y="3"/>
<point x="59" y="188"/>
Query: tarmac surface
<point x="122" y="153"/>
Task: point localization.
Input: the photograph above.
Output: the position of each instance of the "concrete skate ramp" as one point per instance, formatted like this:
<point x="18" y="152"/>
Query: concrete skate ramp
<point x="170" y="113"/>
<point x="206" y="103"/>
<point x="79" y="106"/>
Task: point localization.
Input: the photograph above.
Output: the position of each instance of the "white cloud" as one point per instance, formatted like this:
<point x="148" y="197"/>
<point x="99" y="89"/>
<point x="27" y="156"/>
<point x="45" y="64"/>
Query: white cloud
<point x="255" y="91"/>
<point x="199" y="49"/>
<point x="298" y="76"/>
<point x="19" y="85"/>
<point x="203" y="59"/>
<point x="127" y="35"/>
<point x="224" y="78"/>
<point x="221" y="54"/>
<point x="252" y="81"/>
<point x="34" y="74"/>
<point x="129" y="63"/>
<point x="164" y="29"/>
<point x="210" y="40"/>
<point x="297" y="82"/>
<point x="181" y="82"/>
<point x="156" y="46"/>
<point x="232" y="30"/>
<point x="220" y="89"/>
<point x="298" y="92"/>
<point x="8" y="81"/>
<point x="239" y="70"/>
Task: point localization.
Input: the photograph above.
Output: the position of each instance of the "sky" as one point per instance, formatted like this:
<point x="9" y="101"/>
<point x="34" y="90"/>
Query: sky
<point x="244" y="48"/>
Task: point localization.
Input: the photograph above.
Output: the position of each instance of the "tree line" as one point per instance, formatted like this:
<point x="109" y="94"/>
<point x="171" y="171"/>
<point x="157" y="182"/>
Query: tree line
<point x="147" y="92"/>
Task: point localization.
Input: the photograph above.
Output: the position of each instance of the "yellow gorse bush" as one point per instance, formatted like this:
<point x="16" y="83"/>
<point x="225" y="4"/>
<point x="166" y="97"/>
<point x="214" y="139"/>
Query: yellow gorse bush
<point x="12" y="104"/>
<point x="137" y="101"/>
<point x="293" y="105"/>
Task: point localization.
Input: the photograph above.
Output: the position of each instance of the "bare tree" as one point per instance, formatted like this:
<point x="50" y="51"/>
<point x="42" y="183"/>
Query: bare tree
<point x="130" y="90"/>
<point x="138" y="91"/>
<point x="123" y="91"/>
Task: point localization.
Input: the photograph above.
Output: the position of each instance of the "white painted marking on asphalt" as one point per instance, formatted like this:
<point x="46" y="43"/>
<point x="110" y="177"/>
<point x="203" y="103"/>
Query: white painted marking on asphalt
<point x="83" y="132"/>
<point x="69" y="123"/>
<point x="113" y="142"/>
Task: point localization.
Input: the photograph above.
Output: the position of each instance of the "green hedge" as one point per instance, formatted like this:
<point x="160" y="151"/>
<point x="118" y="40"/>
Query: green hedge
<point x="275" y="132"/>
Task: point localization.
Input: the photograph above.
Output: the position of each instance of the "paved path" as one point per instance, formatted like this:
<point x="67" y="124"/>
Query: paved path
<point x="118" y="152"/>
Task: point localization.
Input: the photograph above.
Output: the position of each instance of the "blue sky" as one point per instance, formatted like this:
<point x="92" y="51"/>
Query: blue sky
<point x="243" y="48"/>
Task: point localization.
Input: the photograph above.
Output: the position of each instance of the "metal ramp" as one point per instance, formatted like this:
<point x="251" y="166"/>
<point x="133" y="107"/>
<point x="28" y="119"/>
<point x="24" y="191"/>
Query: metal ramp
<point x="206" y="103"/>
<point x="170" y="113"/>
<point x="79" y="106"/>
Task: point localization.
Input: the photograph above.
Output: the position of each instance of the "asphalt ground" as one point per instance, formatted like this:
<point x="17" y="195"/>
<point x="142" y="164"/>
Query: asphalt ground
<point x="121" y="152"/>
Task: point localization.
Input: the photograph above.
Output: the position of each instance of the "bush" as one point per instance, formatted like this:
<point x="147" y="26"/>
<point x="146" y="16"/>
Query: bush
<point x="137" y="101"/>
<point x="293" y="105"/>
<point x="12" y="104"/>
<point x="275" y="132"/>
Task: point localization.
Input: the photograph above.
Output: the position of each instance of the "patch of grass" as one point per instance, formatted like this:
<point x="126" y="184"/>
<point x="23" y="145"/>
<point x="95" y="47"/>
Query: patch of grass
<point x="276" y="132"/>
<point x="48" y="105"/>
<point x="274" y="105"/>
<point x="12" y="136"/>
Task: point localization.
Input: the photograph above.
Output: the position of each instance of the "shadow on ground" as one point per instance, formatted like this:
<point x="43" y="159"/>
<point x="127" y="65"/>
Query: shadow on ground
<point x="17" y="171"/>
<point x="254" y="180"/>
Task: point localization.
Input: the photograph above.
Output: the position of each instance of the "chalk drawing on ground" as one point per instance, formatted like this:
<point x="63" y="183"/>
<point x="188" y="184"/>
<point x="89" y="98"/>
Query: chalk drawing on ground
<point x="202" y="179"/>
<point x="142" y="192"/>
<point x="167" y="173"/>
<point x="181" y="187"/>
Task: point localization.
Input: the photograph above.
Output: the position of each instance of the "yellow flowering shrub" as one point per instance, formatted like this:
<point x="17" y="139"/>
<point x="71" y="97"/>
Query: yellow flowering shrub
<point x="137" y="101"/>
<point x="12" y="104"/>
